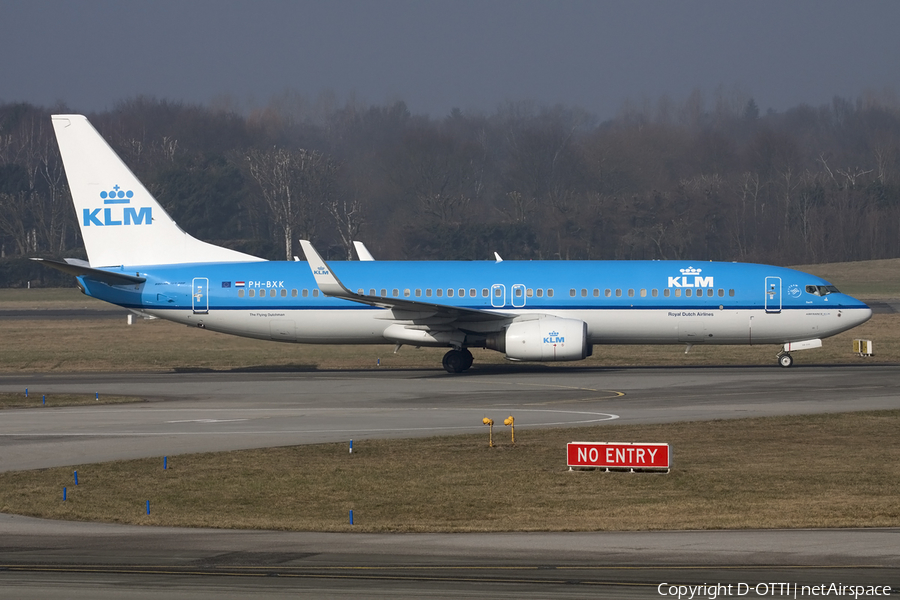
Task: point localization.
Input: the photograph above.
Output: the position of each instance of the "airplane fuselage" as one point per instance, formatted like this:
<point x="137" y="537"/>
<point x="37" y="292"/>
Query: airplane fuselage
<point x="530" y="311"/>
<point x="622" y="302"/>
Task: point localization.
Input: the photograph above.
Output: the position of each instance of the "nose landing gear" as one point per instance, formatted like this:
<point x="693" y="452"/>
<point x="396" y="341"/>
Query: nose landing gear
<point x="457" y="361"/>
<point x="785" y="359"/>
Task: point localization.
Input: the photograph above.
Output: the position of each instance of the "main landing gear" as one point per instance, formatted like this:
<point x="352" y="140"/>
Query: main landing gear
<point x="785" y="359"/>
<point x="457" y="361"/>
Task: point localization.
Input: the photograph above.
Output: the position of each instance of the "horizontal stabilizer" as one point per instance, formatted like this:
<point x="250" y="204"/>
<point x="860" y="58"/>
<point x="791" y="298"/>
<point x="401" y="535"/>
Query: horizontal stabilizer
<point x="78" y="270"/>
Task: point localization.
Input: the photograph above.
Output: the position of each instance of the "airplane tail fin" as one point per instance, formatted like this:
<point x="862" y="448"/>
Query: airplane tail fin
<point x="121" y="222"/>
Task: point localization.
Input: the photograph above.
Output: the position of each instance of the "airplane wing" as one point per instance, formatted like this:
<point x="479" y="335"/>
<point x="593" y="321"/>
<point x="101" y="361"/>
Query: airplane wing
<point x="78" y="270"/>
<point x="330" y="285"/>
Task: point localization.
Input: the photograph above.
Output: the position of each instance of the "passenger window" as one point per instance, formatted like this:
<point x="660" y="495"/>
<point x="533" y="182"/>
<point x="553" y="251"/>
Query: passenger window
<point x="618" y="293"/>
<point x="383" y="293"/>
<point x="529" y="292"/>
<point x="484" y="293"/>
<point x="272" y="293"/>
<point x="428" y="292"/>
<point x="607" y="293"/>
<point x="631" y="293"/>
<point x="678" y="292"/>
<point x="284" y="293"/>
<point x="654" y="292"/>
<point x="240" y="293"/>
<point x="731" y="293"/>
<point x="406" y="293"/>
<point x="583" y="293"/>
<point x="396" y="292"/>
<point x="418" y="292"/>
<point x="596" y="293"/>
<point x="294" y="293"/>
<point x="688" y="293"/>
<point x="472" y="293"/>
<point x="666" y="292"/>
<point x="540" y="293"/>
<point x="252" y="293"/>
<point x="518" y="292"/>
<point x="643" y="293"/>
<point x="449" y="292"/>
<point x="372" y="292"/>
<point x="440" y="292"/>
<point x="572" y="293"/>
<point x="721" y="293"/>
<point x="498" y="292"/>
<point x="305" y="293"/>
<point x="462" y="293"/>
<point x="315" y="293"/>
<point x="549" y="292"/>
<point x="709" y="292"/>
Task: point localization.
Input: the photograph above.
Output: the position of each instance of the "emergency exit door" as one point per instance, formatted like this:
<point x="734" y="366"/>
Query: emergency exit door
<point x="773" y="294"/>
<point x="200" y="295"/>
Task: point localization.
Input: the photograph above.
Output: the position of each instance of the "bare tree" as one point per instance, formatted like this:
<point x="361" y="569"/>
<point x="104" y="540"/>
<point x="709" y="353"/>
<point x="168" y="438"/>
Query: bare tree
<point x="349" y="218"/>
<point x="294" y="184"/>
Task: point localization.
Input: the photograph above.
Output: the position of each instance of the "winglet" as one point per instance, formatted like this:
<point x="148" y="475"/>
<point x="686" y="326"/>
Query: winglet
<point x="325" y="279"/>
<point x="362" y="251"/>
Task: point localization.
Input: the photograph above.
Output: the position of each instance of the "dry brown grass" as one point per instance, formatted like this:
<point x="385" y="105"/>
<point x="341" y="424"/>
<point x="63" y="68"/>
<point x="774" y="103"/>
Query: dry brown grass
<point x="873" y="279"/>
<point x="783" y="472"/>
<point x="110" y="345"/>
<point x="38" y="400"/>
<point x="87" y="344"/>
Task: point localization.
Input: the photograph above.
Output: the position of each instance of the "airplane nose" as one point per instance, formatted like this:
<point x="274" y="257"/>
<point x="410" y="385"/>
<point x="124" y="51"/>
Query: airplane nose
<point x="858" y="315"/>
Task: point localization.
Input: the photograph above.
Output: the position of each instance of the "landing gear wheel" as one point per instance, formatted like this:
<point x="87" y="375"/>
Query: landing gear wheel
<point x="785" y="360"/>
<point x="468" y="358"/>
<point x="457" y="361"/>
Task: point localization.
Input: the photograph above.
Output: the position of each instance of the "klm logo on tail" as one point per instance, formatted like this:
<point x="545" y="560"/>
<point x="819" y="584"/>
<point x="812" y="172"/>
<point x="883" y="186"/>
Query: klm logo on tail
<point x="110" y="216"/>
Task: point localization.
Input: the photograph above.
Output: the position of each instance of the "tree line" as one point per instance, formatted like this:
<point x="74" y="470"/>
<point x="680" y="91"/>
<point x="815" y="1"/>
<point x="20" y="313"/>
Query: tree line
<point x="696" y="179"/>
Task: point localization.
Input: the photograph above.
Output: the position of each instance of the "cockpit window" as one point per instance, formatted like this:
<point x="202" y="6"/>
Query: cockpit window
<point x="822" y="290"/>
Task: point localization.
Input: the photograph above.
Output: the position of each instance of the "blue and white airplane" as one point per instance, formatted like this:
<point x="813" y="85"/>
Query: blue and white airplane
<point x="529" y="310"/>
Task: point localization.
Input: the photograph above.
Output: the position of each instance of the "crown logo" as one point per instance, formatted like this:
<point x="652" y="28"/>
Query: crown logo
<point x="553" y="333"/>
<point x="117" y="196"/>
<point x="691" y="271"/>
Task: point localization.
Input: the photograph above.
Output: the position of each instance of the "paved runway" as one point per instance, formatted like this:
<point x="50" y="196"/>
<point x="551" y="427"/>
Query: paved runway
<point x="192" y="412"/>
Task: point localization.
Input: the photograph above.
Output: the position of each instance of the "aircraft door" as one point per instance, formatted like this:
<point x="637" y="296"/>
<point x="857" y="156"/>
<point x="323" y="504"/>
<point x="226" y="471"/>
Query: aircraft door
<point x="498" y="295"/>
<point x="518" y="295"/>
<point x="773" y="294"/>
<point x="200" y="295"/>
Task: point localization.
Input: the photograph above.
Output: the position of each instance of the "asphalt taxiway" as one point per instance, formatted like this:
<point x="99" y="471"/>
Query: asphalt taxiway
<point x="192" y="412"/>
<point x="201" y="412"/>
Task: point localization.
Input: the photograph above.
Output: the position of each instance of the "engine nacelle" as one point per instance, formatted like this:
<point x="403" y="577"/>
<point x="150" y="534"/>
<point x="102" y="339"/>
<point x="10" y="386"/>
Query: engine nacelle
<point x="546" y="339"/>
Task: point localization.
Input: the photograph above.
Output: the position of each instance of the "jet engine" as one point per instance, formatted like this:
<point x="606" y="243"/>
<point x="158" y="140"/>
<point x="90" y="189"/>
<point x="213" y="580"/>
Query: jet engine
<point x="547" y="339"/>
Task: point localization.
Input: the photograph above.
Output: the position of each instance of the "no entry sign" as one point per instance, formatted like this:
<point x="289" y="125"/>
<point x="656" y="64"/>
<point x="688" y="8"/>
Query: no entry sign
<point x="618" y="455"/>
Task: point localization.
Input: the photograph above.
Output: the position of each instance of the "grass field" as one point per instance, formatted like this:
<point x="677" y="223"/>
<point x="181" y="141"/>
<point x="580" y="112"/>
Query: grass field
<point x="109" y="345"/>
<point x="783" y="472"/>
<point x="38" y="400"/>
<point x="96" y="344"/>
<point x="870" y="279"/>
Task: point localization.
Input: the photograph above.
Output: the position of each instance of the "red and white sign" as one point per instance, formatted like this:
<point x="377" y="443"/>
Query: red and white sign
<point x="625" y="455"/>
